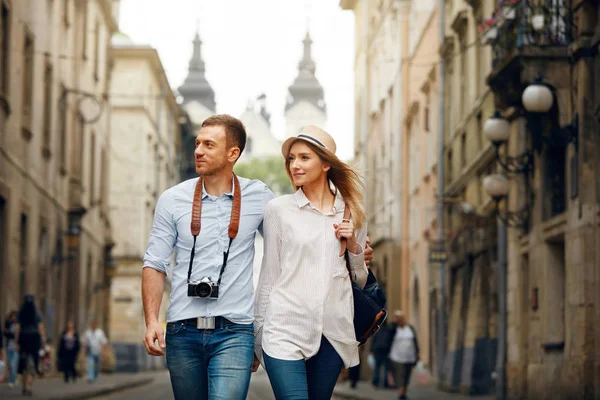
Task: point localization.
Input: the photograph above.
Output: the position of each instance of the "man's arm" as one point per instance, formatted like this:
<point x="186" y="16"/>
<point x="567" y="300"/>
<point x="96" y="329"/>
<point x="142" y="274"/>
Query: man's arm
<point x="156" y="263"/>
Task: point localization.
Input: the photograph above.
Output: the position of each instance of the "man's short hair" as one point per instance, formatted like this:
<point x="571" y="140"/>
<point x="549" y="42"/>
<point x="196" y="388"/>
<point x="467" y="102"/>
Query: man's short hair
<point x="399" y="313"/>
<point x="234" y="129"/>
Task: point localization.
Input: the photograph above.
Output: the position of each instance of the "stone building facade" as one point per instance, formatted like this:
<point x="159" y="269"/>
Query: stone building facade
<point x="553" y="301"/>
<point x="145" y="144"/>
<point x="469" y="222"/>
<point x="55" y="234"/>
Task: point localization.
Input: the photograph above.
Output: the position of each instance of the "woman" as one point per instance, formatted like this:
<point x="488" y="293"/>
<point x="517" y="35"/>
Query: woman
<point x="304" y="307"/>
<point x="403" y="352"/>
<point x="67" y="352"/>
<point x="12" y="356"/>
<point x="30" y="336"/>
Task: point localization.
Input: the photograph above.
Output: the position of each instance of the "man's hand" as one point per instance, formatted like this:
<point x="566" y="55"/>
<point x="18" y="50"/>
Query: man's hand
<point x="368" y="252"/>
<point x="154" y="332"/>
<point x="255" y="364"/>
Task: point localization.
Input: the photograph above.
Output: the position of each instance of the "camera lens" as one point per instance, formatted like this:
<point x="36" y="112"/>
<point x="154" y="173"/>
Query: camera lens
<point x="203" y="289"/>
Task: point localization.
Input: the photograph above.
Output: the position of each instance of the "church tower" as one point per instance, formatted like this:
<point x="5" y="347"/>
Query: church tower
<point x="198" y="95"/>
<point x="305" y="103"/>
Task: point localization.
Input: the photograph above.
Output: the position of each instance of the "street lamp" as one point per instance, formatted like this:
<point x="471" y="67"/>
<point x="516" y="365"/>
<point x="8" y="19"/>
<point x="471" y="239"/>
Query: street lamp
<point x="540" y="103"/>
<point x="496" y="186"/>
<point x="74" y="228"/>
<point x="497" y="130"/>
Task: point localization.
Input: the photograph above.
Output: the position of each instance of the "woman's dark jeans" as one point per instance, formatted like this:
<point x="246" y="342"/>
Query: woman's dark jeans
<point x="312" y="379"/>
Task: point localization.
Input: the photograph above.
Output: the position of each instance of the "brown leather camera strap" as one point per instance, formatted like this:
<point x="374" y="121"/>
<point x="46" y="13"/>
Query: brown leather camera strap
<point x="234" y="221"/>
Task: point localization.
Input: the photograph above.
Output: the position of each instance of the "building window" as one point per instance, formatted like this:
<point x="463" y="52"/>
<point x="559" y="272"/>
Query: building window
<point x="66" y="14"/>
<point x="47" y="129"/>
<point x="464" y="78"/>
<point x="97" y="51"/>
<point x="90" y="284"/>
<point x="62" y="129"/>
<point x="426" y="117"/>
<point x="479" y="121"/>
<point x="92" y="179"/>
<point x="104" y="179"/>
<point x="43" y="271"/>
<point x="449" y="167"/>
<point x="23" y="256"/>
<point x="28" y="60"/>
<point x="4" y="47"/>
<point x="553" y="293"/>
<point x="84" y="36"/>
<point x="555" y="198"/>
<point x="463" y="150"/>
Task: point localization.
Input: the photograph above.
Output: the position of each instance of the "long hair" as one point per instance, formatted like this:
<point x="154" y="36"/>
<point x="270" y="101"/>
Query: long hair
<point x="28" y="312"/>
<point x="346" y="180"/>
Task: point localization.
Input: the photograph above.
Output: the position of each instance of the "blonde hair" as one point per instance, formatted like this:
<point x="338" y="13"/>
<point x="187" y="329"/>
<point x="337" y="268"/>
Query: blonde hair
<point x="346" y="180"/>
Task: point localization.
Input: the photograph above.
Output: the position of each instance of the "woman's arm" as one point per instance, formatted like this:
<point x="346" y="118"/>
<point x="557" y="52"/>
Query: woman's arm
<point x="269" y="273"/>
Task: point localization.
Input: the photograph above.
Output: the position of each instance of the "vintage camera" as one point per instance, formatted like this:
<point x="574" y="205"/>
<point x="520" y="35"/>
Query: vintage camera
<point x="203" y="288"/>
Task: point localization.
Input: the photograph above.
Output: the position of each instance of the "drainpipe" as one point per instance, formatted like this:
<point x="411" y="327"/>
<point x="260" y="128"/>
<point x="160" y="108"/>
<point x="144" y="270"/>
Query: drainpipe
<point x="441" y="339"/>
<point x="502" y="318"/>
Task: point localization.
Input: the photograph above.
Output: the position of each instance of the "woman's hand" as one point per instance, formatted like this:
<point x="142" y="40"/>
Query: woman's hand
<point x="346" y="230"/>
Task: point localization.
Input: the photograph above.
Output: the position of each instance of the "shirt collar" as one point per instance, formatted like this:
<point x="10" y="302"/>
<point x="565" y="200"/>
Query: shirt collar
<point x="302" y="200"/>
<point x="230" y="195"/>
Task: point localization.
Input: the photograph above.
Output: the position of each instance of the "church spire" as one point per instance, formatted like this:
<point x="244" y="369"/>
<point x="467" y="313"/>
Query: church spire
<point x="306" y="86"/>
<point x="196" y="87"/>
<point x="307" y="63"/>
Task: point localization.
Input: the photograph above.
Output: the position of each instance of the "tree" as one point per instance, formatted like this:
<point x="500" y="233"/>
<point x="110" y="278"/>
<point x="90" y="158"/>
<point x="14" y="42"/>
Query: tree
<point x="270" y="170"/>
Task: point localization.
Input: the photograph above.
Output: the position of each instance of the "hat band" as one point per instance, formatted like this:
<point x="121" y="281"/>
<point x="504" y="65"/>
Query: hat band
<point x="312" y="139"/>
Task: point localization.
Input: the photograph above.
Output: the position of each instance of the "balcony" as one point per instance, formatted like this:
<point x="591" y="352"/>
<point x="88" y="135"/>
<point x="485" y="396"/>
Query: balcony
<point x="526" y="35"/>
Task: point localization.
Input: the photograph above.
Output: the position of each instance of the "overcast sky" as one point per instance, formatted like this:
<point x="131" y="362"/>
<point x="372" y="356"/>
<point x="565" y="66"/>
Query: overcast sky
<point x="254" y="46"/>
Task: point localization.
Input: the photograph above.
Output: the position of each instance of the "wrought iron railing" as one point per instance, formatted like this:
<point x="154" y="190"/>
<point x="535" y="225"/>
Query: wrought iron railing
<point x="517" y="24"/>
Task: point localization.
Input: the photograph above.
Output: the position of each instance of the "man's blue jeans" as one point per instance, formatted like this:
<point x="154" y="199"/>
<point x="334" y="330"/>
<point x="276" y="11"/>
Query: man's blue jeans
<point x="381" y="361"/>
<point x="313" y="379"/>
<point x="210" y="364"/>
<point x="93" y="362"/>
<point x="12" y="361"/>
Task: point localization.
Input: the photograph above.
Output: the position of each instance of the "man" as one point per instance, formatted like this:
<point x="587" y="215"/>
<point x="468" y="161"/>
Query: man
<point x="94" y="340"/>
<point x="403" y="352"/>
<point x="210" y="333"/>
<point x="379" y="350"/>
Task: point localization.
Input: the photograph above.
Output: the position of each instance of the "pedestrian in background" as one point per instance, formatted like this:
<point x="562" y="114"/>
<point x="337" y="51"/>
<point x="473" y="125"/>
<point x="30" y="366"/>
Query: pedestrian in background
<point x="354" y="375"/>
<point x="380" y="350"/>
<point x="304" y="310"/>
<point x="404" y="352"/>
<point x="30" y="337"/>
<point x="95" y="341"/>
<point x="68" y="350"/>
<point x="12" y="355"/>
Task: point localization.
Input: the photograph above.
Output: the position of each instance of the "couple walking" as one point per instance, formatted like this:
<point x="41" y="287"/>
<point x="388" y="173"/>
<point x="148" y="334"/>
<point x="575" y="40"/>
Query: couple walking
<point x="299" y="324"/>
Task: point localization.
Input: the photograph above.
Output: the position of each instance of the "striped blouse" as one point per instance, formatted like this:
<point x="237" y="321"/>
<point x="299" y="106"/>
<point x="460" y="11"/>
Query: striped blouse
<point x="303" y="290"/>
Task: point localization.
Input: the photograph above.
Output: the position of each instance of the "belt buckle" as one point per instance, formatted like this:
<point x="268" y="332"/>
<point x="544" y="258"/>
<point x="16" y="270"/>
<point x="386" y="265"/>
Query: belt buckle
<point x="205" y="323"/>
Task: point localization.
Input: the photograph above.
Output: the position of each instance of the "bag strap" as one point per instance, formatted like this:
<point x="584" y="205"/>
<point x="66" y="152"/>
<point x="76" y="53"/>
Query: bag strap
<point x="344" y="246"/>
<point x="346" y="217"/>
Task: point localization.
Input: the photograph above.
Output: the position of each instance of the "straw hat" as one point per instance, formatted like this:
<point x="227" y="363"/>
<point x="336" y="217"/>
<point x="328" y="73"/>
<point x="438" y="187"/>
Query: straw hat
<point x="311" y="134"/>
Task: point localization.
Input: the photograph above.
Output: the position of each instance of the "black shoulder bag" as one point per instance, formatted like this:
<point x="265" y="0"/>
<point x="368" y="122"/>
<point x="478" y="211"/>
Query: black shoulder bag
<point x="369" y="302"/>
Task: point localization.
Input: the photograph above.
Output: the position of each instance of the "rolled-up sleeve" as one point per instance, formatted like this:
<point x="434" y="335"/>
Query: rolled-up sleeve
<point x="162" y="236"/>
<point x="357" y="261"/>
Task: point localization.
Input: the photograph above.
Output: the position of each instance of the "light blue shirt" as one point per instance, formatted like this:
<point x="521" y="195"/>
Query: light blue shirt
<point x="171" y="231"/>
